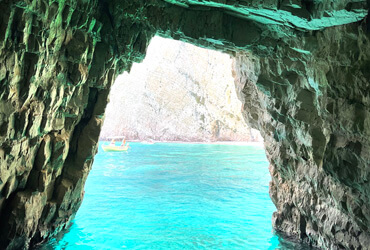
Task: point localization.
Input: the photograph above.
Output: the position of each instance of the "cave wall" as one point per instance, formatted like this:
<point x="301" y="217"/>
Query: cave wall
<point x="303" y="64"/>
<point x="55" y="73"/>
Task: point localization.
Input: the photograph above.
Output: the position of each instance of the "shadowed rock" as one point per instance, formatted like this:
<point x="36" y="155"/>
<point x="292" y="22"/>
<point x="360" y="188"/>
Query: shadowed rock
<point x="305" y="70"/>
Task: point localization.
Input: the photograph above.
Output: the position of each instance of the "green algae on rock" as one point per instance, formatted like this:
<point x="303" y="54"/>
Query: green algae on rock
<point x="304" y="66"/>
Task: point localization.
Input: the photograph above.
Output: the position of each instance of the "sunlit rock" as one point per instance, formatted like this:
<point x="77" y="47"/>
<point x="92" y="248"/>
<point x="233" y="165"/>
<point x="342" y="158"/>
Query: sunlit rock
<point x="180" y="92"/>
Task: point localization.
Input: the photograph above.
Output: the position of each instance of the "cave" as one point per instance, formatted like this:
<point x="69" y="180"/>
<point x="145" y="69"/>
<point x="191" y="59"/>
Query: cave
<point x="304" y="66"/>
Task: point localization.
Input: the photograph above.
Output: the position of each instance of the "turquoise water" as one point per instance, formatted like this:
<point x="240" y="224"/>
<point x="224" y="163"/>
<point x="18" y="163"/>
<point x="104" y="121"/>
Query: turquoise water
<point x="175" y="196"/>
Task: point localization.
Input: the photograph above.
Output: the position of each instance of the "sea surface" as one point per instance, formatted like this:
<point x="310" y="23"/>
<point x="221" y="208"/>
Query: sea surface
<point x="175" y="196"/>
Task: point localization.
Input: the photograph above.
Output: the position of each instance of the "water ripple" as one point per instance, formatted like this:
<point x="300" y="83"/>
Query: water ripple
<point x="175" y="196"/>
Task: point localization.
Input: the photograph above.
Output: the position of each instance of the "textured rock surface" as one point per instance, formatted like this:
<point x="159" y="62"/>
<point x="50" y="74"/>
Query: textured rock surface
<point x="180" y="92"/>
<point x="54" y="75"/>
<point x="305" y="65"/>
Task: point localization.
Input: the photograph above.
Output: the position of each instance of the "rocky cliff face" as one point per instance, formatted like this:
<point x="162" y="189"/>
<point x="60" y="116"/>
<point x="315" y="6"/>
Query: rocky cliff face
<point x="304" y="64"/>
<point x="180" y="92"/>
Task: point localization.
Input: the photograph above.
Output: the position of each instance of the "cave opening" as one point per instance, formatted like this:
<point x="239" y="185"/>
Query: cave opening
<point x="180" y="92"/>
<point x="195" y="173"/>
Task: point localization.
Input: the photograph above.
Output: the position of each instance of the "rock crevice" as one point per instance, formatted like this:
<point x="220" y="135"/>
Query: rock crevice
<point x="303" y="64"/>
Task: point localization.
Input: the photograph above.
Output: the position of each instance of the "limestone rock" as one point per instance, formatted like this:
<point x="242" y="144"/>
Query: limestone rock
<point x="180" y="92"/>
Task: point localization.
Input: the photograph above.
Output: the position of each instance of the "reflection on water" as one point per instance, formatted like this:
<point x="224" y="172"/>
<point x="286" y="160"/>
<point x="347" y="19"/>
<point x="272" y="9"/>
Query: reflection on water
<point x="175" y="196"/>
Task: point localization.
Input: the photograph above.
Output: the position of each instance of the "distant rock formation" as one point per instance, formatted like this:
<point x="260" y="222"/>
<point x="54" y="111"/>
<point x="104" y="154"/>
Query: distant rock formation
<point x="180" y="92"/>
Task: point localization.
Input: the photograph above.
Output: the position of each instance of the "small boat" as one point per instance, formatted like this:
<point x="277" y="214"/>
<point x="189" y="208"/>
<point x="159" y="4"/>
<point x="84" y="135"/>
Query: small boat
<point x="110" y="148"/>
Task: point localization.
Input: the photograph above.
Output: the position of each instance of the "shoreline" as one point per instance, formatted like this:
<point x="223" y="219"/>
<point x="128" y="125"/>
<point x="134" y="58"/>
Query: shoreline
<point x="233" y="143"/>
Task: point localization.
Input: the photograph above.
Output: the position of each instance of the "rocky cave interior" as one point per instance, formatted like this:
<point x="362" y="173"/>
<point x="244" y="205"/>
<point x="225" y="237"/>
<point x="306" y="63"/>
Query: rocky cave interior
<point x="304" y="68"/>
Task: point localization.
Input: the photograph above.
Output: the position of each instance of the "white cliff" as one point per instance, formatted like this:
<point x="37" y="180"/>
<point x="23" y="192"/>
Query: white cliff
<point x="180" y="92"/>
